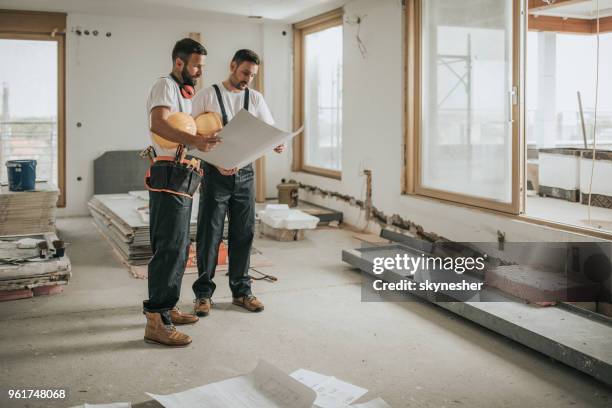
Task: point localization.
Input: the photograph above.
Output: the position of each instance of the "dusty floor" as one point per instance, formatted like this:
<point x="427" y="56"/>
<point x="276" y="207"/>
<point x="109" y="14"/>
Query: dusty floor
<point x="89" y="339"/>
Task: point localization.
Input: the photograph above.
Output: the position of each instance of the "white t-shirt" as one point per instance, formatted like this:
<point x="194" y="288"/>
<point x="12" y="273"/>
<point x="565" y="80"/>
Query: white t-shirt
<point x="166" y="92"/>
<point x="206" y="101"/>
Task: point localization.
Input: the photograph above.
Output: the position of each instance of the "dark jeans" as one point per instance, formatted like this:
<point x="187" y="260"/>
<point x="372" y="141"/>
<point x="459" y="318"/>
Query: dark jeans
<point x="234" y="196"/>
<point x="169" y="218"/>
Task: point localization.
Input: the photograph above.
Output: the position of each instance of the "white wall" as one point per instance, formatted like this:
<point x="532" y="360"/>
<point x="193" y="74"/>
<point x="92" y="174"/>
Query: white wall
<point x="278" y="94"/>
<point x="108" y="80"/>
<point x="372" y="138"/>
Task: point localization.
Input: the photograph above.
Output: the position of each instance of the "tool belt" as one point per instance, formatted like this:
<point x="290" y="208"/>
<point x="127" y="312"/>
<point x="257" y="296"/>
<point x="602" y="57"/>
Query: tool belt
<point x="174" y="175"/>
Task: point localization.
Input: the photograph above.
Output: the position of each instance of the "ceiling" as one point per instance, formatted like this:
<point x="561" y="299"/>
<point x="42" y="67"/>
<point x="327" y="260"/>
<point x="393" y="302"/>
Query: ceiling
<point x="281" y="10"/>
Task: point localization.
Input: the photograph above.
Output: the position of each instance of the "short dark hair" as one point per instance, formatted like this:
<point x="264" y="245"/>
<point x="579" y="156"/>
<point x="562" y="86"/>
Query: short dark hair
<point x="246" y="55"/>
<point x="185" y="47"/>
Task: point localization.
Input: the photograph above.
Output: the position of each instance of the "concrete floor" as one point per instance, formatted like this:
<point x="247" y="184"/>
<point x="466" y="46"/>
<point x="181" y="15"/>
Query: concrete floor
<point x="413" y="354"/>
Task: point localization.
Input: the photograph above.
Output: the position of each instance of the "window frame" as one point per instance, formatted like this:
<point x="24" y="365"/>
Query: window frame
<point x="330" y="19"/>
<point x="44" y="26"/>
<point x="411" y="182"/>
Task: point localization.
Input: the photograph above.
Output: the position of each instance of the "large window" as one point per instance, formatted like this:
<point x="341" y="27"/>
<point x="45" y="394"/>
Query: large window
<point x="463" y="101"/>
<point x="501" y="107"/>
<point x="32" y="97"/>
<point x="318" y="99"/>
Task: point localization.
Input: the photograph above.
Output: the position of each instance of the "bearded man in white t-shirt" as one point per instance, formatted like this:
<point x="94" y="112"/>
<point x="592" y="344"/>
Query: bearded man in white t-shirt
<point x="229" y="191"/>
<point x="171" y="185"/>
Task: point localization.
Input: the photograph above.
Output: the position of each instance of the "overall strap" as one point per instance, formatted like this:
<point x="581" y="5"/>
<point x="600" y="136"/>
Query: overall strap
<point x="220" y="100"/>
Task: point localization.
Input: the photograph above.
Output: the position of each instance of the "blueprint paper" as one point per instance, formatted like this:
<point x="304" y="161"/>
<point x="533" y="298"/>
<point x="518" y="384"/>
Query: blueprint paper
<point x="334" y="393"/>
<point x="375" y="403"/>
<point x="245" y="139"/>
<point x="265" y="387"/>
<point x="331" y="392"/>
<point x="307" y="377"/>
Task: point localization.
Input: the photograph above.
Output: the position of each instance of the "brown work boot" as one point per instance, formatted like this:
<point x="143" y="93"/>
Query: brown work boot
<point x="179" y="317"/>
<point x="250" y="303"/>
<point x="160" y="333"/>
<point x="202" y="306"/>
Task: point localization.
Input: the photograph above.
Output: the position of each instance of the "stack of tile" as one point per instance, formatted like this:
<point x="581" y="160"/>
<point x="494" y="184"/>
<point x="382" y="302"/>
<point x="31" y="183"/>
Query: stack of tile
<point x="124" y="220"/>
<point x="28" y="212"/>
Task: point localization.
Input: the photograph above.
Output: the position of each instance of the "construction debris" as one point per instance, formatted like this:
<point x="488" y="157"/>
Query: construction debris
<point x="28" y="212"/>
<point x="32" y="265"/>
<point x="280" y="222"/>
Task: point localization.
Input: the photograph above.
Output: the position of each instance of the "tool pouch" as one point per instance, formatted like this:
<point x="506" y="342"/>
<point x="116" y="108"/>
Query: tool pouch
<point x="172" y="177"/>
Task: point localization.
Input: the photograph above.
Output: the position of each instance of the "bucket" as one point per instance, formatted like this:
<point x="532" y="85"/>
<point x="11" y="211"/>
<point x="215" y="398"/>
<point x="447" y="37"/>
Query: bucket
<point x="21" y="175"/>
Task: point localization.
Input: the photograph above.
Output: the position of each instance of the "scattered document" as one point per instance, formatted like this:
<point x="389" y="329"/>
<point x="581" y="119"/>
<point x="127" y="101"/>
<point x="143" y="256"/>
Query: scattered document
<point x="265" y="387"/>
<point x="331" y="392"/>
<point x="114" y="405"/>
<point x="245" y="139"/>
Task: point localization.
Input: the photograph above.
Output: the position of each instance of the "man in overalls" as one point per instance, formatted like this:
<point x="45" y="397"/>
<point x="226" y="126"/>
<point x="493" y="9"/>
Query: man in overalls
<point x="229" y="191"/>
<point x="171" y="184"/>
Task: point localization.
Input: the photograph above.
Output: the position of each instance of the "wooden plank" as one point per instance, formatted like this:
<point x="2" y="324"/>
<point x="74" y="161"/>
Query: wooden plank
<point x="540" y="5"/>
<point x="559" y="24"/>
<point x="32" y="22"/>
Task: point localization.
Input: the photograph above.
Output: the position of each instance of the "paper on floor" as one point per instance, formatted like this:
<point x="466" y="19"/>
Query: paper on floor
<point x="331" y="392"/>
<point x="114" y="405"/>
<point x="265" y="387"/>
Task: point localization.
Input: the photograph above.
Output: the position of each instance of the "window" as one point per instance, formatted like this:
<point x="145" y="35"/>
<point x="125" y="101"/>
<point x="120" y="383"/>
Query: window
<point x="32" y="104"/>
<point x="463" y="101"/>
<point x="318" y="95"/>
<point x="564" y="185"/>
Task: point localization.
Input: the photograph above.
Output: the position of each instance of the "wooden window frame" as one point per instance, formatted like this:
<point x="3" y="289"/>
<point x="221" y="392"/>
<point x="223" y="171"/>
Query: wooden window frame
<point x="331" y="19"/>
<point x="411" y="183"/>
<point x="43" y="26"/>
<point x="412" y="33"/>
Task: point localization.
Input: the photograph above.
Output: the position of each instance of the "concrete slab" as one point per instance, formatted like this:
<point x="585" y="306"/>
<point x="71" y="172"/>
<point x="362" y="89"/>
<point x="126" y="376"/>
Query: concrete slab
<point x="568" y="337"/>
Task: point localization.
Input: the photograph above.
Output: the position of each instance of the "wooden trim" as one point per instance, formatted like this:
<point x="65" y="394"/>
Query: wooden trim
<point x="539" y="5"/>
<point x="559" y="24"/>
<point x="197" y="37"/>
<point x="260" y="180"/>
<point x="322" y="172"/>
<point x="517" y="161"/>
<point x="322" y="18"/>
<point x="605" y="25"/>
<point x="61" y="102"/>
<point x="411" y="75"/>
<point x="298" y="106"/>
<point x="414" y="37"/>
<point x="260" y="164"/>
<point x="61" y="121"/>
<point x="521" y="65"/>
<point x="32" y="22"/>
<point x="331" y="19"/>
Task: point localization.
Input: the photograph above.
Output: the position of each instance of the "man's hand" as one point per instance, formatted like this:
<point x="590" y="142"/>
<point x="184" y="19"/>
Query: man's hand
<point x="279" y="148"/>
<point x="207" y="142"/>
<point x="227" y="172"/>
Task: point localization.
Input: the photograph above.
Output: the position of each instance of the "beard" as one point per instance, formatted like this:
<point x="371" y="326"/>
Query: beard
<point x="187" y="78"/>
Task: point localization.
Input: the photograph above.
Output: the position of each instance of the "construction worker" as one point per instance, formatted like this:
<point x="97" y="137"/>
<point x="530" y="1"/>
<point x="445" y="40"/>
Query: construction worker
<point x="171" y="181"/>
<point x="229" y="191"/>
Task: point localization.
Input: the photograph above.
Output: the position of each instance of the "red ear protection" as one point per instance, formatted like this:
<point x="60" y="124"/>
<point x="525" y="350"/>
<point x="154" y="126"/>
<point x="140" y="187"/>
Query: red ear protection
<point x="187" y="91"/>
